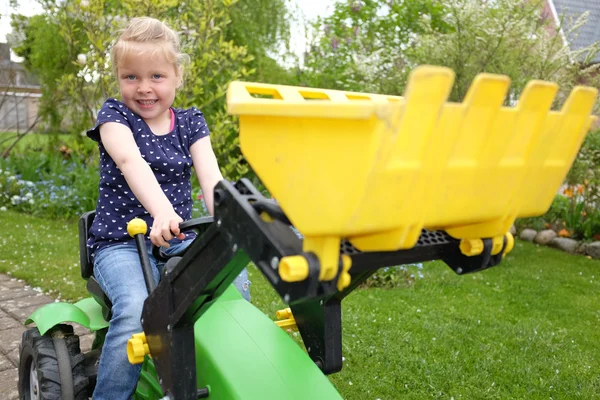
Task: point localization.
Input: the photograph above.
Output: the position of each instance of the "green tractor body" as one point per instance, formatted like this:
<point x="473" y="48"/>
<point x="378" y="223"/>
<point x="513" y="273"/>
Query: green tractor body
<point x="240" y="352"/>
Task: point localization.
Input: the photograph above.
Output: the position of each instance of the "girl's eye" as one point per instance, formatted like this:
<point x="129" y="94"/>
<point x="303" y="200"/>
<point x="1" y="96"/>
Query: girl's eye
<point x="131" y="77"/>
<point x="156" y="76"/>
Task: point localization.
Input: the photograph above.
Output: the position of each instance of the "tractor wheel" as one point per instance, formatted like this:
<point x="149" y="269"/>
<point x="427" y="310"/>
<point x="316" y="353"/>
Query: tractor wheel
<point x="51" y="367"/>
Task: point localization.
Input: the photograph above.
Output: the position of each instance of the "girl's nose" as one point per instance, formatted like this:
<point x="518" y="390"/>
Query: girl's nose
<point x="143" y="88"/>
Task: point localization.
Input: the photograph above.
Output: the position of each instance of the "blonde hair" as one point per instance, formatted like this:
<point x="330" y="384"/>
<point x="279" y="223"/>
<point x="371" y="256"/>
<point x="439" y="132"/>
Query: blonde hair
<point x="148" y="30"/>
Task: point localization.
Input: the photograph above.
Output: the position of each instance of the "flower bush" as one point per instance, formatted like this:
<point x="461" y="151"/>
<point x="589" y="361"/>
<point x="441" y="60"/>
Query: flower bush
<point x="48" y="185"/>
<point x="574" y="212"/>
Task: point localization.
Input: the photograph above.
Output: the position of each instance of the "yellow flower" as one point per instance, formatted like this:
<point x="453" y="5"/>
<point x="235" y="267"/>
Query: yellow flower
<point x="568" y="192"/>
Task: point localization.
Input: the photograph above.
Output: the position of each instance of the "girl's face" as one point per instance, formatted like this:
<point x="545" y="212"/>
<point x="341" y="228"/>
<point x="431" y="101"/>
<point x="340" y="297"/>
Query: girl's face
<point x="148" y="84"/>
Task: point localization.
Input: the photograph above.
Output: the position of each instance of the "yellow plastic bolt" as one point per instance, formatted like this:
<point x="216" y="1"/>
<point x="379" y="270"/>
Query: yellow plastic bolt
<point x="293" y="268"/>
<point x="345" y="278"/>
<point x="286" y="324"/>
<point x="266" y="217"/>
<point x="497" y="243"/>
<point x="283" y="314"/>
<point x="137" y="348"/>
<point x="471" y="247"/>
<point x="510" y="243"/>
<point x="136" y="226"/>
<point x="286" y="319"/>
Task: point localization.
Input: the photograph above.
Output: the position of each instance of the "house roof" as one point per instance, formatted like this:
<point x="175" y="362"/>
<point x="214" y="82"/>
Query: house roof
<point x="590" y="32"/>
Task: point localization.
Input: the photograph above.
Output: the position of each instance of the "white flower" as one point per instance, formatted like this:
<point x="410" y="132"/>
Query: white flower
<point x="30" y="201"/>
<point x="84" y="3"/>
<point x="81" y="59"/>
<point x="2" y="208"/>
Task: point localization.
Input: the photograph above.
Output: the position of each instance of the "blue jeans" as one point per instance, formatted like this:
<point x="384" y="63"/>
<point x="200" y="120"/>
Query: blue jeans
<point x="119" y="273"/>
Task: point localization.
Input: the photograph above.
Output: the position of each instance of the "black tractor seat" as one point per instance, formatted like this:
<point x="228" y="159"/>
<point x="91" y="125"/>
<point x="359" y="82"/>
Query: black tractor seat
<point x="87" y="268"/>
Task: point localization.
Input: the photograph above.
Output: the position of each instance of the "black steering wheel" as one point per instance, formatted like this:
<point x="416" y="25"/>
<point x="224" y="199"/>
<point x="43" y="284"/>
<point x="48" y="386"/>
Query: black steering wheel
<point x="199" y="225"/>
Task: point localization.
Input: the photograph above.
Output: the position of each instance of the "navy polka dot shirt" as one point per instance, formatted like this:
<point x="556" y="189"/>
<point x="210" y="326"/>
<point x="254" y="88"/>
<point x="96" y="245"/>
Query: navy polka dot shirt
<point x="167" y="155"/>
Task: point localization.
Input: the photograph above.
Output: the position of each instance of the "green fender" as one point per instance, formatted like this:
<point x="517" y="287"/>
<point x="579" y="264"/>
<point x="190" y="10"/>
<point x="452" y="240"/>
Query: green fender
<point x="242" y="354"/>
<point x="86" y="312"/>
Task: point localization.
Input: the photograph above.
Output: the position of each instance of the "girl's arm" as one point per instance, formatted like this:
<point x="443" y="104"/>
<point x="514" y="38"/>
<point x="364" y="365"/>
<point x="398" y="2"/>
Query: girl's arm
<point x="207" y="169"/>
<point x="120" y="145"/>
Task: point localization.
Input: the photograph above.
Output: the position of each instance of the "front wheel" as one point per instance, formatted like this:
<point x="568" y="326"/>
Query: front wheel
<point x="51" y="367"/>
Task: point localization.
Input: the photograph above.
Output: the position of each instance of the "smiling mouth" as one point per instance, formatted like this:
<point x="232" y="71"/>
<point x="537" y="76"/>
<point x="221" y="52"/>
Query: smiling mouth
<point x="146" y="103"/>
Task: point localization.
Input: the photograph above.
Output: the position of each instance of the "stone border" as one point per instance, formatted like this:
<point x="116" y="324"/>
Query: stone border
<point x="550" y="238"/>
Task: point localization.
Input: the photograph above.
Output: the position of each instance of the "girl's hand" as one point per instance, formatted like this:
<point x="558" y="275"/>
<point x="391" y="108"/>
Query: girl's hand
<point x="165" y="228"/>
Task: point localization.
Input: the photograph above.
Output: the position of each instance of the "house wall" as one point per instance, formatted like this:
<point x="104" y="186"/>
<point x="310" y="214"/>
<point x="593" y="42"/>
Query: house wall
<point x="18" y="111"/>
<point x="19" y="94"/>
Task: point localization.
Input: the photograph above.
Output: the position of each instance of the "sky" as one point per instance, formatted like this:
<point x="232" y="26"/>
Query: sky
<point x="309" y="8"/>
<point x="26" y="7"/>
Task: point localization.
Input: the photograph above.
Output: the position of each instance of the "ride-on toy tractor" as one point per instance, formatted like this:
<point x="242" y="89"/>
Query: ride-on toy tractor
<point x="369" y="181"/>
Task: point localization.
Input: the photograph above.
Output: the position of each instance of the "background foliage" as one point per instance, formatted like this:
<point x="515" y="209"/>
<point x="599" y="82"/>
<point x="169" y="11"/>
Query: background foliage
<point x="546" y="328"/>
<point x="367" y="46"/>
<point x="68" y="45"/>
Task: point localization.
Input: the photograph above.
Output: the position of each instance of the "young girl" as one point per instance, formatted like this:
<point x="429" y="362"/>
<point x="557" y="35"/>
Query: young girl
<point x="147" y="150"/>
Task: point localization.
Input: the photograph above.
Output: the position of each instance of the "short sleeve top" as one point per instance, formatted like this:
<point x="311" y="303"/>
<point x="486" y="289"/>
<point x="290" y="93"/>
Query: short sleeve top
<point x="167" y="155"/>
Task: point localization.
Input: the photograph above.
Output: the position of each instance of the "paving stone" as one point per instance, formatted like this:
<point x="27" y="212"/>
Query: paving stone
<point x="78" y="329"/>
<point x="23" y="313"/>
<point x="5" y="363"/>
<point x="10" y="339"/>
<point x="13" y="293"/>
<point x="85" y="342"/>
<point x="13" y="356"/>
<point x="13" y="305"/>
<point x="9" y="380"/>
<point x="7" y="323"/>
<point x="17" y="302"/>
<point x="13" y="283"/>
<point x="11" y="331"/>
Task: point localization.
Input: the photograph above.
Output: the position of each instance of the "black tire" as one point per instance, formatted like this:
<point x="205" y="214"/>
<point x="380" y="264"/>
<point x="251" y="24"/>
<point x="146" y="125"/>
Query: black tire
<point x="43" y="358"/>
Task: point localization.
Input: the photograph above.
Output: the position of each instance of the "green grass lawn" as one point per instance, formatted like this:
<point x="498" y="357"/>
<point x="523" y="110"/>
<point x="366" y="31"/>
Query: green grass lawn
<point x="527" y="329"/>
<point x="36" y="140"/>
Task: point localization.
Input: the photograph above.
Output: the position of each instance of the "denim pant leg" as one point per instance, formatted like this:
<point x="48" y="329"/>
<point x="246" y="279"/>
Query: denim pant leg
<point x="120" y="275"/>
<point x="242" y="283"/>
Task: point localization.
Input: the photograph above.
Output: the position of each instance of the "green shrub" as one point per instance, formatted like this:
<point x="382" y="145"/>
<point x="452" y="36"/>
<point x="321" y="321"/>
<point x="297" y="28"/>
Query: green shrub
<point x="576" y="208"/>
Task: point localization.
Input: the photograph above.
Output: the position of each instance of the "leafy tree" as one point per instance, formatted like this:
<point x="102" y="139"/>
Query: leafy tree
<point x="263" y="27"/>
<point x="509" y="37"/>
<point x="84" y="31"/>
<point x="361" y="46"/>
<point x="48" y="56"/>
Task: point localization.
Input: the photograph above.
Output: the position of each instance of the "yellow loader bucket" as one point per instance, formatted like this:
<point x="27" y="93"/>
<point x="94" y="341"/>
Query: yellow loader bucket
<point x="378" y="169"/>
